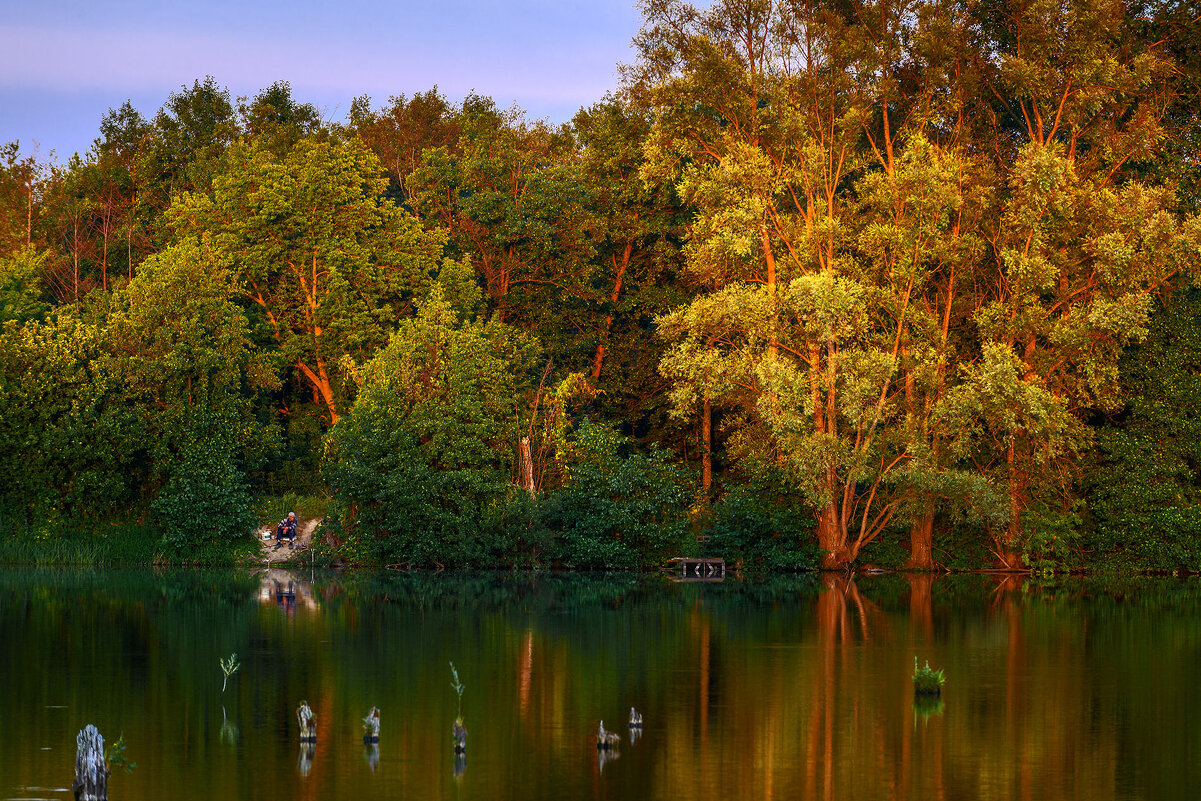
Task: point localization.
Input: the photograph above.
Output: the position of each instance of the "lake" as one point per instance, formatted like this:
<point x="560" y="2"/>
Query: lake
<point x="790" y="688"/>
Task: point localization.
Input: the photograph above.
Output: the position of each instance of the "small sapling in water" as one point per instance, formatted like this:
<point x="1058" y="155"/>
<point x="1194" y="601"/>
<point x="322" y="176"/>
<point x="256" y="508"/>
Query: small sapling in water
<point x="458" y="733"/>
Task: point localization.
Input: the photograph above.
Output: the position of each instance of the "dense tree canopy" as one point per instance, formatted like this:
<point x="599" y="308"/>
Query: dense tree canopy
<point x="819" y="283"/>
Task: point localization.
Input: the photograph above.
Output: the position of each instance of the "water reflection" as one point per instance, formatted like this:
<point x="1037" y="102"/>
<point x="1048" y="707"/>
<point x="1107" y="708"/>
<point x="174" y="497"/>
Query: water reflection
<point x="926" y="706"/>
<point x="286" y="590"/>
<point x="606" y="755"/>
<point x="304" y="763"/>
<point x="800" y="687"/>
<point x="229" y="730"/>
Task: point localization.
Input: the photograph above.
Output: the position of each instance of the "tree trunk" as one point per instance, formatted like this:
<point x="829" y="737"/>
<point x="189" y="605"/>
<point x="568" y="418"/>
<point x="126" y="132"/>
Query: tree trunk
<point x="1009" y="558"/>
<point x="831" y="538"/>
<point x="308" y="723"/>
<point x="921" y="541"/>
<point x="620" y="269"/>
<point x="527" y="467"/>
<point x="706" y="451"/>
<point x="371" y="726"/>
<point x="91" y="773"/>
<point x="323" y="391"/>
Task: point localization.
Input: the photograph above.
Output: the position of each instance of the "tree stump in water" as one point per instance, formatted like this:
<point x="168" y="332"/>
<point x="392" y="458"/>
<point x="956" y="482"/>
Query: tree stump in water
<point x="91" y="773"/>
<point x="308" y="726"/>
<point x="459" y="736"/>
<point x="606" y="740"/>
<point x="371" y="726"/>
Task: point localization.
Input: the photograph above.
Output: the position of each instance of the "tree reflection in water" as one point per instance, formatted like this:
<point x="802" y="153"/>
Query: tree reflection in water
<point x="793" y="687"/>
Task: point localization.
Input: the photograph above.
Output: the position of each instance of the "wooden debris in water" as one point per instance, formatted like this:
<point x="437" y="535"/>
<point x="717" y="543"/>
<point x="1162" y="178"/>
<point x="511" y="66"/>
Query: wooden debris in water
<point x="606" y="740"/>
<point x="308" y="725"/>
<point x="371" y="726"/>
<point x="459" y="737"/>
<point x="91" y="773"/>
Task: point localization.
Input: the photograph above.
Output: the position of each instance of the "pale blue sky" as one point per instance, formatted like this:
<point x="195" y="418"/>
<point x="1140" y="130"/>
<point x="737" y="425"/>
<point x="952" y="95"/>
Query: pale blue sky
<point x="63" y="63"/>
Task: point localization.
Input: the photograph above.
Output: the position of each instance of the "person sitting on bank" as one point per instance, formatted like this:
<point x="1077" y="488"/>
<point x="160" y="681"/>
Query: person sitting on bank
<point x="286" y="530"/>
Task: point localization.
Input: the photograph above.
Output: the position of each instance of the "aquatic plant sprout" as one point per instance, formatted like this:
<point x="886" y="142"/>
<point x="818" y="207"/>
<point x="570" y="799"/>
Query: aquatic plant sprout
<point x="926" y="680"/>
<point x="229" y="667"/>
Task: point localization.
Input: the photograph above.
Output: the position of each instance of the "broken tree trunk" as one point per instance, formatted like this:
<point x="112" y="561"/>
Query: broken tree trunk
<point x="91" y="772"/>
<point x="527" y="467"/>
<point x="371" y="726"/>
<point x="459" y="737"/>
<point x="308" y="726"/>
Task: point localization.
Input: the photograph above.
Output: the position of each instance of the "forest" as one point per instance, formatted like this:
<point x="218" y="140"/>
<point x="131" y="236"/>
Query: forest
<point x="820" y="283"/>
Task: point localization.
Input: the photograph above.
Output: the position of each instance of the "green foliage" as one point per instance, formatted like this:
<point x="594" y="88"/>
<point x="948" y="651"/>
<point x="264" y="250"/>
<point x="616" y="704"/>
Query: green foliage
<point x="74" y="448"/>
<point x="116" y="757"/>
<point x="193" y="381"/>
<point x="228" y="668"/>
<point x="21" y="295"/>
<point x="1143" y="489"/>
<point x="619" y="509"/>
<point x="326" y="264"/>
<point x="425" y="457"/>
<point x="757" y="526"/>
<point x="926" y="680"/>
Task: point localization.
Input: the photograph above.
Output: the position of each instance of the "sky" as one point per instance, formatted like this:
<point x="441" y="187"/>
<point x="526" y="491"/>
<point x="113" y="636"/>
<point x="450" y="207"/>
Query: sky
<point x="64" y="63"/>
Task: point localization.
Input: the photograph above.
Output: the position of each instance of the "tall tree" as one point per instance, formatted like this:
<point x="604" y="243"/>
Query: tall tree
<point x="428" y="452"/>
<point x="512" y="199"/>
<point x="765" y="116"/>
<point x="401" y="131"/>
<point x="191" y="132"/>
<point x="637" y="229"/>
<point x="21" y="185"/>
<point x="190" y="369"/>
<point x="329" y="263"/>
<point x="276" y="121"/>
<point x="123" y="148"/>
<point x="1077" y="246"/>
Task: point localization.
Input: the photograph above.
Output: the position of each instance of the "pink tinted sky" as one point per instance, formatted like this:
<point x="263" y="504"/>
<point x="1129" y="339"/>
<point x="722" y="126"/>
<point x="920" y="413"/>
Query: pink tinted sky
<point x="64" y="63"/>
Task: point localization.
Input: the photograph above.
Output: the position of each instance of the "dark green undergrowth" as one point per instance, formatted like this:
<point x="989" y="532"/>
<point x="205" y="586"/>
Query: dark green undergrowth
<point x="752" y="528"/>
<point x="118" y="544"/>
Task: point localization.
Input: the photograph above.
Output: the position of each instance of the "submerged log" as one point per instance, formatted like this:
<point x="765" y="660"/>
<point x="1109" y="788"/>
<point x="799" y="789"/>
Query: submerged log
<point x="371" y="726"/>
<point x="91" y="772"/>
<point x="308" y="724"/>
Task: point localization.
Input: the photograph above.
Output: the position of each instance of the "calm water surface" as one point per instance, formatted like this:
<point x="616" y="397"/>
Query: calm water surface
<point x="794" y="689"/>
